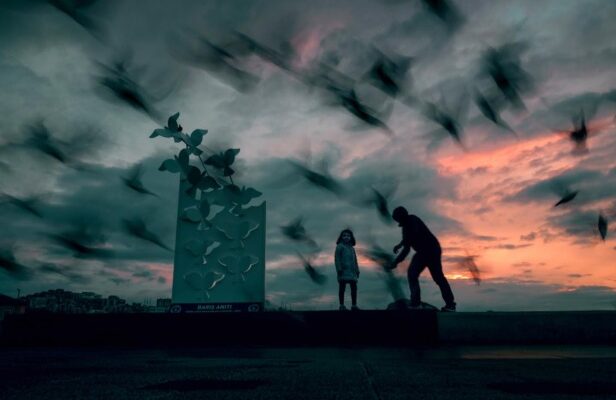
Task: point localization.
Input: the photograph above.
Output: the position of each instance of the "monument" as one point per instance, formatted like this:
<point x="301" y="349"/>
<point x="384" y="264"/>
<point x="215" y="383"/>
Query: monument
<point x="219" y="262"/>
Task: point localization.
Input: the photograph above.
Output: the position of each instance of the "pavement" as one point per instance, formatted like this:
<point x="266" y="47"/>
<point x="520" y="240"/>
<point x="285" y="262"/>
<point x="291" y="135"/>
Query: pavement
<point x="375" y="373"/>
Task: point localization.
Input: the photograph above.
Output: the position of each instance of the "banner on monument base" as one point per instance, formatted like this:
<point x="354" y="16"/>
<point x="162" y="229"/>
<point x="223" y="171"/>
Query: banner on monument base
<point x="193" y="308"/>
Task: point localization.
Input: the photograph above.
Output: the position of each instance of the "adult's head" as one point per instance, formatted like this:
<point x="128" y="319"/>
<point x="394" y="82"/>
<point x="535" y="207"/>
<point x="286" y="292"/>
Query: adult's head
<point x="346" y="237"/>
<point x="399" y="215"/>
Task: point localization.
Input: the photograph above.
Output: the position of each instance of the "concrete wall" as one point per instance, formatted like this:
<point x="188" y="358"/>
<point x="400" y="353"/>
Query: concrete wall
<point x="591" y="327"/>
<point x="317" y="328"/>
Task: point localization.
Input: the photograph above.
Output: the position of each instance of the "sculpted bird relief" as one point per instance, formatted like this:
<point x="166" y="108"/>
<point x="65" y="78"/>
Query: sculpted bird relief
<point x="238" y="265"/>
<point x="198" y="214"/>
<point x="205" y="282"/>
<point x="201" y="249"/>
<point x="234" y="229"/>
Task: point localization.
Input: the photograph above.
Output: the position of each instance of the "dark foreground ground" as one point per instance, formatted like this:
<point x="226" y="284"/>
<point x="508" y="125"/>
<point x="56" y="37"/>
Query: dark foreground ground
<point x="373" y="355"/>
<point x="436" y="372"/>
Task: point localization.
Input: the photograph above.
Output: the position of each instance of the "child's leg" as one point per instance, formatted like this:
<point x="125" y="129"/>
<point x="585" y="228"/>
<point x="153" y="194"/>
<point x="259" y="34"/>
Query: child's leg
<point x="353" y="292"/>
<point x="341" y="287"/>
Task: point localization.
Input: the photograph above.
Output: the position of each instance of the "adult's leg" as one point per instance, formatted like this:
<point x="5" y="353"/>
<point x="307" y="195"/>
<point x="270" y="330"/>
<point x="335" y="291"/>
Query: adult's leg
<point x="353" y="285"/>
<point x="418" y="263"/>
<point x="436" y="270"/>
<point x="341" y="286"/>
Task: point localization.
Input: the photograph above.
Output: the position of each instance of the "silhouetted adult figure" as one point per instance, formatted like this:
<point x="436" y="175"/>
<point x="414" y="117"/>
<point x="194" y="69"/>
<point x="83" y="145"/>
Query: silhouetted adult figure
<point x="416" y="234"/>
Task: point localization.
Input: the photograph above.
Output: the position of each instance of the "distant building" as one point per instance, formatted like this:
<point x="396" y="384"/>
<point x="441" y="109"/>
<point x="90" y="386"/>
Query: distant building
<point x="9" y="305"/>
<point x="66" y="302"/>
<point x="115" y="304"/>
<point x="163" y="305"/>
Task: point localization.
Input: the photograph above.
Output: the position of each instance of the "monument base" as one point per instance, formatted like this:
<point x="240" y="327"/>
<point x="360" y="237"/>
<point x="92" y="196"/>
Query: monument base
<point x="275" y="328"/>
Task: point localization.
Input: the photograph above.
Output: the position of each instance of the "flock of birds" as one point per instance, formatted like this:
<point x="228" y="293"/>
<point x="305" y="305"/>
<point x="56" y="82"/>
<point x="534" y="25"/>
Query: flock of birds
<point x="502" y="84"/>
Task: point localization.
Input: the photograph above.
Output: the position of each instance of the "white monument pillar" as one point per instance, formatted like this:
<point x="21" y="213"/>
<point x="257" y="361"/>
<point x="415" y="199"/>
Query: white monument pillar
<point x="219" y="262"/>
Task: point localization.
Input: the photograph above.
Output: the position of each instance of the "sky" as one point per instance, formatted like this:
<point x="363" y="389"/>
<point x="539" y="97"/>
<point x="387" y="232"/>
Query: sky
<point x="488" y="197"/>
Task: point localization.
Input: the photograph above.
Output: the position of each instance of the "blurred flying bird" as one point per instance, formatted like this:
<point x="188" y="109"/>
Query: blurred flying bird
<point x="29" y="204"/>
<point x="380" y="256"/>
<point x="602" y="226"/>
<point x="314" y="275"/>
<point x="77" y="10"/>
<point x="381" y="205"/>
<point x="296" y="231"/>
<point x="281" y="58"/>
<point x="447" y="121"/>
<point x="468" y="263"/>
<point x="503" y="66"/>
<point x="579" y="134"/>
<point x="446" y="12"/>
<point x="117" y="80"/>
<point x="9" y="264"/>
<point x="379" y="200"/>
<point x="74" y="9"/>
<point x="490" y="108"/>
<point x="567" y="196"/>
<point x="340" y="89"/>
<point x="325" y="76"/>
<point x="348" y="99"/>
<point x="82" y="241"/>
<point x="583" y="128"/>
<point x="133" y="181"/>
<point x="84" y="141"/>
<point x="40" y="139"/>
<point x="386" y="261"/>
<point x="136" y="227"/>
<point x="389" y="75"/>
<point x="223" y="62"/>
<point x="322" y="180"/>
<point x="64" y="271"/>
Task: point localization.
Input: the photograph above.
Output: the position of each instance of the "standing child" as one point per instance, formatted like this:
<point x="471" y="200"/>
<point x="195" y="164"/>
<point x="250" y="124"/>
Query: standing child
<point x="346" y="267"/>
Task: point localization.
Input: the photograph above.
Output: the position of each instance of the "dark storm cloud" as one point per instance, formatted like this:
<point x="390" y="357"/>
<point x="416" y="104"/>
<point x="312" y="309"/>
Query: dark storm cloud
<point x="485" y="238"/>
<point x="70" y="273"/>
<point x="578" y="224"/>
<point x="23" y="21"/>
<point x="24" y="93"/>
<point x="592" y="185"/>
<point x="578" y="275"/>
<point x="522" y="264"/>
<point x="97" y="200"/>
<point x="144" y="273"/>
<point x="483" y="210"/>
<point x="50" y="64"/>
<point x="477" y="171"/>
<point x="508" y="246"/>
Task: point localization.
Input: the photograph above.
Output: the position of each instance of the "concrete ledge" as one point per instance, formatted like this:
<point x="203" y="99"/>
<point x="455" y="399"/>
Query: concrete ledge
<point x="558" y="327"/>
<point x="318" y="328"/>
<point x="315" y="328"/>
